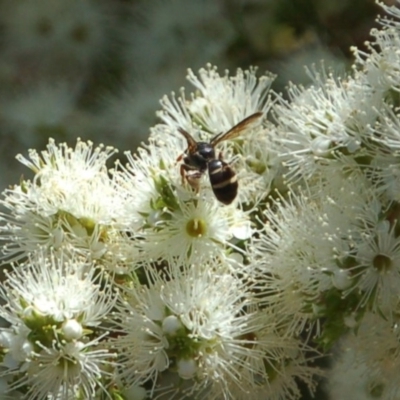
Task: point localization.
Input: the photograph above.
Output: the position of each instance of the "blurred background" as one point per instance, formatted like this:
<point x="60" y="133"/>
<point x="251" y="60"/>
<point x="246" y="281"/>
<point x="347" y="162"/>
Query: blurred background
<point x="96" y="69"/>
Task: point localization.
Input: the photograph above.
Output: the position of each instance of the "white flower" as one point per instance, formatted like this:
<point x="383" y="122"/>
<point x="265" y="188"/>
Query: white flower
<point x="225" y="100"/>
<point x="141" y="345"/>
<point x="326" y="121"/>
<point x="286" y="364"/>
<point x="75" y="366"/>
<point x="18" y="346"/>
<point x="384" y="167"/>
<point x="347" y="377"/>
<point x="147" y="181"/>
<point x="342" y="118"/>
<point x="160" y="198"/>
<point x="208" y="307"/>
<point x="220" y="103"/>
<point x="56" y="287"/>
<point x="391" y="11"/>
<point x="195" y="231"/>
<point x="168" y="218"/>
<point x="54" y="344"/>
<point x="70" y="202"/>
<point x="380" y="64"/>
<point x="203" y="322"/>
<point x="376" y="269"/>
<point x="258" y="166"/>
<point x="153" y="179"/>
<point x="303" y="249"/>
<point x="367" y="361"/>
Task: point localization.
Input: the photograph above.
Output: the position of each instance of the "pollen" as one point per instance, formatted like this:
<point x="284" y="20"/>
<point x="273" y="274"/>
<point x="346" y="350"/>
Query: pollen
<point x="196" y="227"/>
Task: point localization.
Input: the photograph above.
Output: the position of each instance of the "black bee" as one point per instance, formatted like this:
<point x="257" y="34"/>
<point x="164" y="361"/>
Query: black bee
<point x="200" y="157"/>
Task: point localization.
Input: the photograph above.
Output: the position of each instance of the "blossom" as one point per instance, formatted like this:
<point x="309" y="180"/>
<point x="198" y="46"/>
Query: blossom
<point x="196" y="231"/>
<point x="200" y="324"/>
<point x="298" y="255"/>
<point x="371" y="356"/>
<point x="384" y="168"/>
<point x="54" y="344"/>
<point x="168" y="219"/>
<point x="379" y="64"/>
<point x="345" y="118"/>
<point x="225" y="100"/>
<point x="219" y="103"/>
<point x="193" y="318"/>
<point x="70" y="202"/>
<point x="324" y="122"/>
<point x="376" y="268"/>
<point x="348" y="377"/>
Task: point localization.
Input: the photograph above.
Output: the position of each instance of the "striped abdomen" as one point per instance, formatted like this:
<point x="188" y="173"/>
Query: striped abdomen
<point x="223" y="181"/>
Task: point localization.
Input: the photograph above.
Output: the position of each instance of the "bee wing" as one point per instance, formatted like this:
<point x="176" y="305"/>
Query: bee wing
<point x="192" y="144"/>
<point x="236" y="130"/>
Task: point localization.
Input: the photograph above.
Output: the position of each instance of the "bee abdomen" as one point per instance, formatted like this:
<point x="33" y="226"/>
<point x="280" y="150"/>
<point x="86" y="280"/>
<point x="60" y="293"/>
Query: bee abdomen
<point x="223" y="181"/>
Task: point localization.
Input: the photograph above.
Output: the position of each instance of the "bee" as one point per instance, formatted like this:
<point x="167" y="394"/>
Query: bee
<point x="200" y="157"/>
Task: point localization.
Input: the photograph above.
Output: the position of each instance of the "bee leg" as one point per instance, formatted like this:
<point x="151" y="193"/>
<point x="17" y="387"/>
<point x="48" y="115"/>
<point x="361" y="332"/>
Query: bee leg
<point x="191" y="176"/>
<point x="194" y="181"/>
<point x="183" y="169"/>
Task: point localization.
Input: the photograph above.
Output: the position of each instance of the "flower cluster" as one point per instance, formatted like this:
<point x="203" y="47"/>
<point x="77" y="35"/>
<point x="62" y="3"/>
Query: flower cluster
<point x="138" y="280"/>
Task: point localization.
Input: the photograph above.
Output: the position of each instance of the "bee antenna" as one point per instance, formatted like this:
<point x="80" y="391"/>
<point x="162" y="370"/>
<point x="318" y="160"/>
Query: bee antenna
<point x="189" y="138"/>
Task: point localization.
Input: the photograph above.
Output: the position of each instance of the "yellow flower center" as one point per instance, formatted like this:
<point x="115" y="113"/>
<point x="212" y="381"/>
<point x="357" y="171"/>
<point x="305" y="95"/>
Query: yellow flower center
<point x="196" y="227"/>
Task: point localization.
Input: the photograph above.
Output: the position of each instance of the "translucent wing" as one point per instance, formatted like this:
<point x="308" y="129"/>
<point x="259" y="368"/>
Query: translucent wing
<point x="192" y="144"/>
<point x="235" y="131"/>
